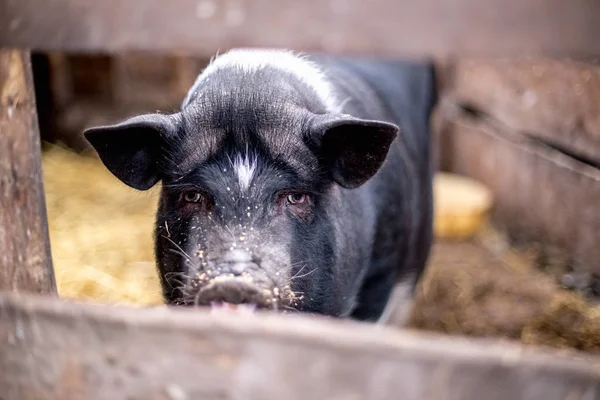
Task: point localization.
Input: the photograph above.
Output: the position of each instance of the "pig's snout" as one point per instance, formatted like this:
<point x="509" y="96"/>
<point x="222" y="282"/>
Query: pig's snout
<point x="236" y="262"/>
<point x="234" y="291"/>
<point x="239" y="280"/>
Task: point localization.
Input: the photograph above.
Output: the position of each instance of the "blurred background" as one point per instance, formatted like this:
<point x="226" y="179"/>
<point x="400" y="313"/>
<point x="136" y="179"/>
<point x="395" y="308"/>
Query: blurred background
<point x="517" y="148"/>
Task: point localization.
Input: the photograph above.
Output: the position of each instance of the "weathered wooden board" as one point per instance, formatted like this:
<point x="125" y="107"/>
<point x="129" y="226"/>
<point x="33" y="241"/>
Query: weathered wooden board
<point x="52" y="349"/>
<point x="556" y="102"/>
<point x="540" y="194"/>
<point x="385" y="27"/>
<point x="25" y="262"/>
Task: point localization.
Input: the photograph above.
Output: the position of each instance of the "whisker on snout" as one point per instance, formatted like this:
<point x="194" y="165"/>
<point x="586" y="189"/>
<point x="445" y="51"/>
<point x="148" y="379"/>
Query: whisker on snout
<point x="183" y="253"/>
<point x="179" y="279"/>
<point x="304" y="275"/>
<point x="294" y="265"/>
<point x="298" y="274"/>
<point x="229" y="230"/>
<point x="179" y="253"/>
<point x="180" y="274"/>
<point x="170" y="282"/>
<point x="297" y="263"/>
<point x="299" y="271"/>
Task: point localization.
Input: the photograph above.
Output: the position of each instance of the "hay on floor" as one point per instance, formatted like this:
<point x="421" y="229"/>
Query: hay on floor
<point x="469" y="290"/>
<point x="100" y="232"/>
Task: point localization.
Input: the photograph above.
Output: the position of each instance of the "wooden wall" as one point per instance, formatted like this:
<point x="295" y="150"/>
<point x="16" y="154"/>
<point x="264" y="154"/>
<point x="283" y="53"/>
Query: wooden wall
<point x="530" y="129"/>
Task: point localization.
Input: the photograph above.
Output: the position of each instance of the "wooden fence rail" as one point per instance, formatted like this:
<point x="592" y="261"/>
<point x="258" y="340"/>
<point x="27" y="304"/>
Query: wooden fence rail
<point x="62" y="350"/>
<point x="426" y="28"/>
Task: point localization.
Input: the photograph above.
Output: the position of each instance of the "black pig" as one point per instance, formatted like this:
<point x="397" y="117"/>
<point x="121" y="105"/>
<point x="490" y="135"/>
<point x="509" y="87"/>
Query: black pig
<point x="289" y="182"/>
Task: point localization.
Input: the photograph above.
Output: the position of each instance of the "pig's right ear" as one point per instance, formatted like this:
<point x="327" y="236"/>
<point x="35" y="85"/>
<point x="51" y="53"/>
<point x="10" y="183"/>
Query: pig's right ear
<point x="353" y="149"/>
<point x="130" y="150"/>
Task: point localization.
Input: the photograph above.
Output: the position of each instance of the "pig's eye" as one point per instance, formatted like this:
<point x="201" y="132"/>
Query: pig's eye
<point x="192" y="196"/>
<point x="298" y="204"/>
<point x="296" y="198"/>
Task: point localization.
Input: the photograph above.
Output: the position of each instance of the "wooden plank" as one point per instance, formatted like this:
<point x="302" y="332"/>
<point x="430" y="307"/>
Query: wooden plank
<point x="53" y="349"/>
<point x="25" y="262"/>
<point x="541" y="194"/>
<point x="384" y="27"/>
<point x="556" y="102"/>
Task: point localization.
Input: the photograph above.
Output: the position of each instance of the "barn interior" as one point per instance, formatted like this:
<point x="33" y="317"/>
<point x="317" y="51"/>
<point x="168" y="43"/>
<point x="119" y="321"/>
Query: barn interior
<point x="517" y="153"/>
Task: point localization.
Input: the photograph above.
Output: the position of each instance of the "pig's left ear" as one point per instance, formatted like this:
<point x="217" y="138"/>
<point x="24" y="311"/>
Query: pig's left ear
<point x="353" y="148"/>
<point x="130" y="150"/>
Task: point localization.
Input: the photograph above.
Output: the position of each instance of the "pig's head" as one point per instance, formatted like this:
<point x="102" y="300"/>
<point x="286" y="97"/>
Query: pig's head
<point x="252" y="168"/>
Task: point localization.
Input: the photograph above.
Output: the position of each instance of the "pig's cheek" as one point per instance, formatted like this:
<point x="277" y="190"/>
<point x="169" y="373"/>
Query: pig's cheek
<point x="302" y="214"/>
<point x="182" y="239"/>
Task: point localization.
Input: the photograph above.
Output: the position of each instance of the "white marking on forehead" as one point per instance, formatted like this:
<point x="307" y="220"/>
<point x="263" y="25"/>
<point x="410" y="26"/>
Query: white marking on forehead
<point x="252" y="60"/>
<point x="244" y="168"/>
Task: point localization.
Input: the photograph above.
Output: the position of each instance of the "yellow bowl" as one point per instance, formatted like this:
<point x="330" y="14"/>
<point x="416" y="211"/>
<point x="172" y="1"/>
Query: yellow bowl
<point x="461" y="206"/>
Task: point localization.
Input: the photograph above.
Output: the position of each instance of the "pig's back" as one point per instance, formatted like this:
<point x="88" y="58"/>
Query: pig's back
<point x="403" y="93"/>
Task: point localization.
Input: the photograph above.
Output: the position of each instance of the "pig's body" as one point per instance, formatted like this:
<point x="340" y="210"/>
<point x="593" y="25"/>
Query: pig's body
<point x="294" y="197"/>
<point x="389" y="218"/>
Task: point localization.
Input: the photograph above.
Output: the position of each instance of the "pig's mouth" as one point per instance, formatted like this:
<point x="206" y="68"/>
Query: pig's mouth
<point x="241" y="294"/>
<point x="220" y="307"/>
<point x="237" y="294"/>
<point x="234" y="291"/>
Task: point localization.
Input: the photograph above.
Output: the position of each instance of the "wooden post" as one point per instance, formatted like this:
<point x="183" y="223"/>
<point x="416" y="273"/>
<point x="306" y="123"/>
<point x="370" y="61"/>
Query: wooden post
<point x="25" y="261"/>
